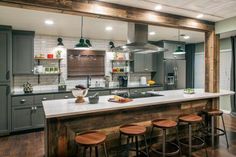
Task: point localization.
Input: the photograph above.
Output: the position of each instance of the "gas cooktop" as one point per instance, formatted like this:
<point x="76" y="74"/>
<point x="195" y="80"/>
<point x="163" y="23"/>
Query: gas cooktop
<point x="141" y="95"/>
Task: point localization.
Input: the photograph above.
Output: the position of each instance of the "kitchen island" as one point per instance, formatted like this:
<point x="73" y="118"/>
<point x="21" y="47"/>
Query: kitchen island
<point x="64" y="118"/>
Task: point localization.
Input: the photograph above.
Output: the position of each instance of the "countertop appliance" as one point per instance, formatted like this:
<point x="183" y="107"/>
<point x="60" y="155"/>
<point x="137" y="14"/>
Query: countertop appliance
<point x="123" y="81"/>
<point x="143" y="81"/>
<point x="174" y="74"/>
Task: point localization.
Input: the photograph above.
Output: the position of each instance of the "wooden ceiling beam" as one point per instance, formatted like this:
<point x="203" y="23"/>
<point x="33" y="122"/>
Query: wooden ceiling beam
<point x="112" y="11"/>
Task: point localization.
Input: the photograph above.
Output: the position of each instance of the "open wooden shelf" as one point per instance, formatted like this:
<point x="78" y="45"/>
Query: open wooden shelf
<point x="56" y="59"/>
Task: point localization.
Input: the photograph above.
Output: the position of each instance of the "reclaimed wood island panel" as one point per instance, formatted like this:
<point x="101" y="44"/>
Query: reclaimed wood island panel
<point x="64" y="118"/>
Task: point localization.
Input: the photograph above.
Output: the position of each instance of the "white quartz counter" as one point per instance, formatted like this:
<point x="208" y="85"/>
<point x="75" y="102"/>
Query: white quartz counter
<point x="68" y="107"/>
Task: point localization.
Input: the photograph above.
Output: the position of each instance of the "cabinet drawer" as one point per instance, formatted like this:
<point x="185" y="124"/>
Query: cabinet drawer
<point x="22" y="100"/>
<point x="63" y="96"/>
<point x="101" y="93"/>
<point x="39" y="98"/>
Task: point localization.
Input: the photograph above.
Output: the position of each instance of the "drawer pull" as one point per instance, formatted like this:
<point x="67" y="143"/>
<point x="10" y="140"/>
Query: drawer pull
<point x="32" y="108"/>
<point x="23" y="101"/>
<point x="35" y="108"/>
<point x="66" y="97"/>
<point x="44" y="99"/>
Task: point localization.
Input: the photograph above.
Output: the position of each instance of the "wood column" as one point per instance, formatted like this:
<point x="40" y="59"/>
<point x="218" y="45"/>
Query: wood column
<point x="212" y="62"/>
<point x="212" y="66"/>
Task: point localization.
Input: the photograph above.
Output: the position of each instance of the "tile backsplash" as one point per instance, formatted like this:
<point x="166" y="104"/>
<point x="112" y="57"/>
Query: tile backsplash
<point x="47" y="44"/>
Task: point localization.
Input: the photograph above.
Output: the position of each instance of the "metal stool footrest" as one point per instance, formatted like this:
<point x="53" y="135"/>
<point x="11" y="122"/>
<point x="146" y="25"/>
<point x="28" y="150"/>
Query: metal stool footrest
<point x="209" y="132"/>
<point x="197" y="142"/>
<point x="175" y="149"/>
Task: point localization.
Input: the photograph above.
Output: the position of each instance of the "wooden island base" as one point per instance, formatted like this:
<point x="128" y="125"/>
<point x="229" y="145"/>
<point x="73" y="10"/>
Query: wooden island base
<point x="60" y="131"/>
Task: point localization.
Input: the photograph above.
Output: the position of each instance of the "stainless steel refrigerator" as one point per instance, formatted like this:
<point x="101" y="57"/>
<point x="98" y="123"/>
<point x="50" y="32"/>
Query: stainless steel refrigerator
<point x="174" y="74"/>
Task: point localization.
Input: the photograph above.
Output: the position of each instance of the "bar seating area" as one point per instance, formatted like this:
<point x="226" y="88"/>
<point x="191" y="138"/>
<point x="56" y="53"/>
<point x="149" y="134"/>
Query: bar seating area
<point x="137" y="135"/>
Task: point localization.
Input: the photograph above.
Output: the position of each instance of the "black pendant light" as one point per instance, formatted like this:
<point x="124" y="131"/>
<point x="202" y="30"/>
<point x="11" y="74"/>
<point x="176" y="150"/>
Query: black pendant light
<point x="179" y="50"/>
<point x="83" y="44"/>
<point x="60" y="42"/>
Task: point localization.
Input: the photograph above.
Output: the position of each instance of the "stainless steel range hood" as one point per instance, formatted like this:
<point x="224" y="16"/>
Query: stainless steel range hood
<point x="138" y="40"/>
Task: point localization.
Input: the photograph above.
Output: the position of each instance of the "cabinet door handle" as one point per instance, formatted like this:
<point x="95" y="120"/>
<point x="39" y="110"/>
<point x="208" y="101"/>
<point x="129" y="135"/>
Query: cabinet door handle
<point x="8" y="75"/>
<point x="23" y="101"/>
<point x="66" y="97"/>
<point x="8" y="90"/>
<point x="44" y="99"/>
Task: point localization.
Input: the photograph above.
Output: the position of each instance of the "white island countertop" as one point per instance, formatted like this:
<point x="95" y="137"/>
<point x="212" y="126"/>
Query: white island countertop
<point x="68" y="107"/>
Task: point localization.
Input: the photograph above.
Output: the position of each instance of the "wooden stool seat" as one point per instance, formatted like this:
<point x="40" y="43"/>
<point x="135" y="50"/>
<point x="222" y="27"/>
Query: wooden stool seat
<point x="215" y="112"/>
<point x="90" y="138"/>
<point x="191" y="118"/>
<point x="164" y="123"/>
<point x="132" y="129"/>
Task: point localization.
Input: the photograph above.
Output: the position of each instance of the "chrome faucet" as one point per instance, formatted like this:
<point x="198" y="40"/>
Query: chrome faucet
<point x="88" y="81"/>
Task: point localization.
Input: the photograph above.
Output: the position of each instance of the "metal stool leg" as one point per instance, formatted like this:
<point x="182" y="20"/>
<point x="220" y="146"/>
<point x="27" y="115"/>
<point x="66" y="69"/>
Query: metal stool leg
<point x="105" y="149"/>
<point x="190" y="139"/>
<point x="96" y="151"/>
<point x="213" y="132"/>
<point x="150" y="141"/>
<point x="226" y="138"/>
<point x="177" y="138"/>
<point x="136" y="142"/>
<point x="90" y="151"/>
<point x="164" y="143"/>
<point x="146" y="145"/>
<point x="84" y="153"/>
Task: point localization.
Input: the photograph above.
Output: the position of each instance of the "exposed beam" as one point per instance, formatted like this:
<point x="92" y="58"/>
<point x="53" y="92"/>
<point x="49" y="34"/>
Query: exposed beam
<point x="112" y="11"/>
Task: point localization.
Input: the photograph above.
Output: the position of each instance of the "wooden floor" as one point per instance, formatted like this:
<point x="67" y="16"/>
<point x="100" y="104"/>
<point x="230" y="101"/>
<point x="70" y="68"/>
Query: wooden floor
<point x="32" y="144"/>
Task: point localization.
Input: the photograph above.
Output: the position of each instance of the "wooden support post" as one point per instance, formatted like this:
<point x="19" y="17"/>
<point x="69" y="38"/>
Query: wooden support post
<point x="212" y="61"/>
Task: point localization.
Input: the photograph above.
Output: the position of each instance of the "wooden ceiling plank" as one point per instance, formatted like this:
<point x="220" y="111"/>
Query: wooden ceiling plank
<point x="112" y="11"/>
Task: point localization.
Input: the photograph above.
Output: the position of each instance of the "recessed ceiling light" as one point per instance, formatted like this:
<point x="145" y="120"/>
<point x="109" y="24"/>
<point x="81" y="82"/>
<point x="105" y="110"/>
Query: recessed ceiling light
<point x="186" y="37"/>
<point x="200" y="16"/>
<point x="49" y="22"/>
<point x="152" y="33"/>
<point x="109" y="28"/>
<point x="158" y="7"/>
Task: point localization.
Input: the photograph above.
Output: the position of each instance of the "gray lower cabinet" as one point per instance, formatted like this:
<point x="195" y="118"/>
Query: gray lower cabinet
<point x="63" y="96"/>
<point x="27" y="117"/>
<point x="38" y="117"/>
<point x="5" y="110"/>
<point x="21" y="118"/>
<point x="23" y="52"/>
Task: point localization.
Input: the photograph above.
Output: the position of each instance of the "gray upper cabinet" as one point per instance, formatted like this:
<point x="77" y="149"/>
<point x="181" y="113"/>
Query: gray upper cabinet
<point x="5" y="53"/>
<point x="143" y="63"/>
<point x="23" y="50"/>
<point x="4" y="109"/>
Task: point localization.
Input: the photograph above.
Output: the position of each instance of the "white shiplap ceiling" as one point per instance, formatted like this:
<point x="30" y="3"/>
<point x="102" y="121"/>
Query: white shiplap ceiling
<point x="213" y="10"/>
<point x="94" y="28"/>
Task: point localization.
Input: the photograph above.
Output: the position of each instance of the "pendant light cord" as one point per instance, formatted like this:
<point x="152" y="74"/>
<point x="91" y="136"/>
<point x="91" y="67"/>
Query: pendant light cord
<point x="179" y="35"/>
<point x="82" y="24"/>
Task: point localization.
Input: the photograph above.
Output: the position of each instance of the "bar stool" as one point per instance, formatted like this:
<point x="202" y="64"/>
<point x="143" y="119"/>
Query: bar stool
<point x="165" y="124"/>
<point x="91" y="139"/>
<point x="191" y="119"/>
<point x="135" y="131"/>
<point x="212" y="130"/>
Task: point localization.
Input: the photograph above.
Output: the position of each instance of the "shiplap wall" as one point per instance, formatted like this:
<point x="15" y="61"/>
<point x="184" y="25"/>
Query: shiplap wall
<point x="225" y="70"/>
<point x="47" y="44"/>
